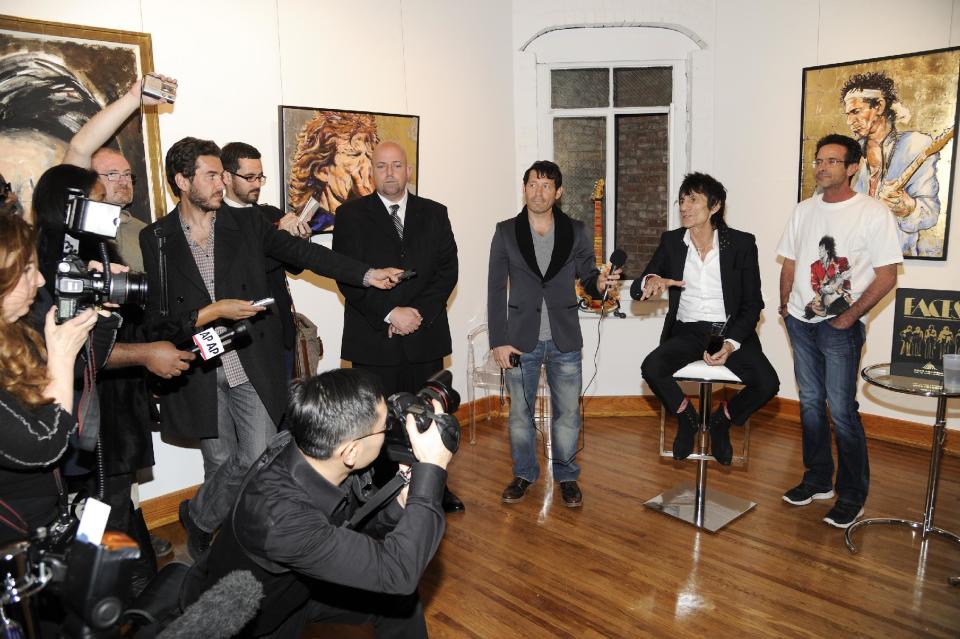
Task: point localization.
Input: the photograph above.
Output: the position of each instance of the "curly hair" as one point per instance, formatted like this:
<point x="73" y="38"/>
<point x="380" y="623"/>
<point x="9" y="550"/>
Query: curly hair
<point x="317" y="148"/>
<point x="182" y="158"/>
<point x="876" y="80"/>
<point x="23" y="366"/>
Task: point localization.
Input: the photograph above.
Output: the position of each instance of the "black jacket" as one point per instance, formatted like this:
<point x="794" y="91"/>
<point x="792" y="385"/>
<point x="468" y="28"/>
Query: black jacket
<point x="290" y="518"/>
<point x="364" y="231"/>
<point x="188" y="404"/>
<point x="739" y="276"/>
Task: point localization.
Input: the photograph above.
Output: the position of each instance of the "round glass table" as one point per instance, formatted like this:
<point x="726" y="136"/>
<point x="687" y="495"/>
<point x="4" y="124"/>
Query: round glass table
<point x="879" y="375"/>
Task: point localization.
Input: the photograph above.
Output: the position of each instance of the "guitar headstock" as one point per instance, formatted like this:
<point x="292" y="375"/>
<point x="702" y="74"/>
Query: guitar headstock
<point x="597" y="190"/>
<point x="940" y="141"/>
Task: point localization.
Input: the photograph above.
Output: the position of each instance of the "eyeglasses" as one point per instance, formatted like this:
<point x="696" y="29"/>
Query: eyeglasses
<point x="253" y="177"/>
<point x="831" y="162"/>
<point x="116" y="176"/>
<point x="376" y="432"/>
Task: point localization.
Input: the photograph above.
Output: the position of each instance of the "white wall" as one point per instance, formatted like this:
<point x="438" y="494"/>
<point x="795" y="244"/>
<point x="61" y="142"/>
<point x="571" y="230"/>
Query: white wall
<point x="236" y="60"/>
<point x="745" y="120"/>
<point x="460" y="66"/>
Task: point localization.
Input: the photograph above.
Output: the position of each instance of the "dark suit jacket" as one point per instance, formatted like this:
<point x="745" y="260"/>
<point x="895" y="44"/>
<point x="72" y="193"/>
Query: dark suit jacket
<point x="513" y="261"/>
<point x="242" y="244"/>
<point x="364" y="231"/>
<point x="277" y="275"/>
<point x="739" y="276"/>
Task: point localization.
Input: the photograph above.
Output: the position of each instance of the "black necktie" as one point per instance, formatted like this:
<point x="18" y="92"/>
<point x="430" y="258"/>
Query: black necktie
<point x="396" y="219"/>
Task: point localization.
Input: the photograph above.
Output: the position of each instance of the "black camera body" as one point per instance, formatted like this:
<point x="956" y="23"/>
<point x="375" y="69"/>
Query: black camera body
<point x="77" y="288"/>
<point x="399" y="405"/>
<point x="514" y="359"/>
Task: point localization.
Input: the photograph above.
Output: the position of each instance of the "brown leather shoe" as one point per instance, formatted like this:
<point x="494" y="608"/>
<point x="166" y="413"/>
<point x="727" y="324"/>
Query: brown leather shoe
<point x="570" y="493"/>
<point x="515" y="491"/>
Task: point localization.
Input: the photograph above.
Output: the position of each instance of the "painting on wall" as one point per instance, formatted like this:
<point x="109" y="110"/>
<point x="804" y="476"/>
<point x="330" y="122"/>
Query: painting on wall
<point x="903" y="111"/>
<point x="53" y="78"/>
<point x="326" y="157"/>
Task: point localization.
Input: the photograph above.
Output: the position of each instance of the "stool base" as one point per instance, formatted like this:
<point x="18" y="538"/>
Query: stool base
<point x="719" y="508"/>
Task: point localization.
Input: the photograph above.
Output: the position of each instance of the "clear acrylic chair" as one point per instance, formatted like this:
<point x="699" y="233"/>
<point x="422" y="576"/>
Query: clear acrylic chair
<point x="483" y="373"/>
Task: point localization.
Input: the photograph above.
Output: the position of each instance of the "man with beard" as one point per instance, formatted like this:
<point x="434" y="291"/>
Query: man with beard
<point x="242" y="178"/>
<point x="205" y="267"/>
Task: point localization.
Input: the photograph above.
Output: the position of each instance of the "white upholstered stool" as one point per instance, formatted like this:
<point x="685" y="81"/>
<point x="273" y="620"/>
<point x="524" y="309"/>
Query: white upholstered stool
<point x="710" y="510"/>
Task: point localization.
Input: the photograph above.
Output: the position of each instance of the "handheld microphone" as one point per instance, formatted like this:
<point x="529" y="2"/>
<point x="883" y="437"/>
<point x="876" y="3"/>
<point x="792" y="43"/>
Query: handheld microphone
<point x="220" y="612"/>
<point x="617" y="259"/>
<point x="238" y="331"/>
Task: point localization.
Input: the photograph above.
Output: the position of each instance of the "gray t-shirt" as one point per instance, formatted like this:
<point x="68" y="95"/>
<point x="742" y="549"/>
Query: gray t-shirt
<point x="543" y="247"/>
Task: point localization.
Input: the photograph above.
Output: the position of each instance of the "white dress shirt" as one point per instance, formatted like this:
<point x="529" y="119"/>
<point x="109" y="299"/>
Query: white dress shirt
<point x="402" y="213"/>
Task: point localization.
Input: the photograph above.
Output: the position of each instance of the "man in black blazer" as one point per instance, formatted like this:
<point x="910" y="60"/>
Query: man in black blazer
<point x="242" y="178"/>
<point x="400" y="335"/>
<point x="712" y="277"/>
<point x="538" y="255"/>
<point x="204" y="268"/>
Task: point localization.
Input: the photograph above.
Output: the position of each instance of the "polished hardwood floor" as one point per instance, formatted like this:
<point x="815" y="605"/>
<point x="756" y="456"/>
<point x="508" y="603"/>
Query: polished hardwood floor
<point x="614" y="568"/>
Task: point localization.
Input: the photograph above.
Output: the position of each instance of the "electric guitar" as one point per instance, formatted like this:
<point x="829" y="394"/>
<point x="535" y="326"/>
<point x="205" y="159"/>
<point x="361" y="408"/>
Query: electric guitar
<point x="587" y="303"/>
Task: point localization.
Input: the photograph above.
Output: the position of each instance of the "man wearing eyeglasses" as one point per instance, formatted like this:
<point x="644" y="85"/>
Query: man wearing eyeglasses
<point x="287" y="526"/>
<point x="242" y="180"/>
<point x="840" y="253"/>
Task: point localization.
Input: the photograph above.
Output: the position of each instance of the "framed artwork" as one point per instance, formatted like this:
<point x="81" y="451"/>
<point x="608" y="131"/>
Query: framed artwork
<point x="53" y="78"/>
<point x="903" y="111"/>
<point x="326" y="157"/>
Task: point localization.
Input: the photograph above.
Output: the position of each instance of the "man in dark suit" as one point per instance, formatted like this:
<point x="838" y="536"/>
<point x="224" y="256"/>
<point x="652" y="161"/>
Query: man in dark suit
<point x="204" y="267"/>
<point x="712" y="277"/>
<point x="400" y="335"/>
<point x="242" y="178"/>
<point x="539" y="254"/>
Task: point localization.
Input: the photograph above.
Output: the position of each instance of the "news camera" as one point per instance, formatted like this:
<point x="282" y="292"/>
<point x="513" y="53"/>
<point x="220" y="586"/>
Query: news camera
<point x="399" y="405"/>
<point x="77" y="288"/>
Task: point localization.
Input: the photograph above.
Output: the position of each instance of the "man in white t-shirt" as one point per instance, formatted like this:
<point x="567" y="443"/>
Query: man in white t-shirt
<point x="840" y="254"/>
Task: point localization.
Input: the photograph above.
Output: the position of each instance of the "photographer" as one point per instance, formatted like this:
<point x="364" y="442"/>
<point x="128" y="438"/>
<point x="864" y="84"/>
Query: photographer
<point x="287" y="525"/>
<point x="36" y="388"/>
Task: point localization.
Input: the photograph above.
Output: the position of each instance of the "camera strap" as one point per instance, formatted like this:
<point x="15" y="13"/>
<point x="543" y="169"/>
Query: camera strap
<point x="390" y="490"/>
<point x="162" y="271"/>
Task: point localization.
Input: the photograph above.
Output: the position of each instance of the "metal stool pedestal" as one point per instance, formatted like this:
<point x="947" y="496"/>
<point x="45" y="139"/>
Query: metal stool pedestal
<point x="694" y="503"/>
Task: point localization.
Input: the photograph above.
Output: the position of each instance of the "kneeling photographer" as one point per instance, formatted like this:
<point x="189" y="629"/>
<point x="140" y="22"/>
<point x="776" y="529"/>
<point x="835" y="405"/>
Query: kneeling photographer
<point x="292" y="525"/>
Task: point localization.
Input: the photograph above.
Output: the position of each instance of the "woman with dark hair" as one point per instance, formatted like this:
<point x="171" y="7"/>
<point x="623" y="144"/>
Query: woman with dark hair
<point x="50" y="199"/>
<point x="36" y="387"/>
<point x="711" y="274"/>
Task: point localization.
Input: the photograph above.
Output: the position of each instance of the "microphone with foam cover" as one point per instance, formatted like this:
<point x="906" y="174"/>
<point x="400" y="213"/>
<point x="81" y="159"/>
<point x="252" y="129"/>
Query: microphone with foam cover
<point x="220" y="612"/>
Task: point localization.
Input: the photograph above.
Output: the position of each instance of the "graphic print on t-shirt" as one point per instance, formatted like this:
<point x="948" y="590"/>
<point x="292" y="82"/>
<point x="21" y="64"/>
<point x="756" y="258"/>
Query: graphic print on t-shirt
<point x="830" y="279"/>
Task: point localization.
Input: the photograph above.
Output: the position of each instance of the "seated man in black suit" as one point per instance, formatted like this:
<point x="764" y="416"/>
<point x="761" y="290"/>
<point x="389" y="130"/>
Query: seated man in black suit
<point x="717" y="283"/>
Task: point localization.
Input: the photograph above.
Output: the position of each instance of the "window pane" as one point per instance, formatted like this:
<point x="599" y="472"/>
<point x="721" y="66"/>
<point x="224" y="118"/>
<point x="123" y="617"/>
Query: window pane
<point x="643" y="155"/>
<point x="643" y="87"/>
<point x="580" y="148"/>
<point x="579" y="88"/>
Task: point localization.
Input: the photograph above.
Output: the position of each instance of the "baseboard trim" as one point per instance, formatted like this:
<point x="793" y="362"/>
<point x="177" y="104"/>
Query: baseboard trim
<point x="162" y="510"/>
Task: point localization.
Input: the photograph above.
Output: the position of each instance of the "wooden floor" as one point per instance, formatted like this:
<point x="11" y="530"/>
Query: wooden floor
<point x="614" y="568"/>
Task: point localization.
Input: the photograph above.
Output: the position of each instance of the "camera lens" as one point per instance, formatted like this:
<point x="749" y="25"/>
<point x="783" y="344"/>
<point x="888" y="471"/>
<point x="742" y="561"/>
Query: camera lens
<point x="128" y="288"/>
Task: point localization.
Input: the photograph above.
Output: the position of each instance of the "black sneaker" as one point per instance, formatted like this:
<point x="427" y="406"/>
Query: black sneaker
<point x="843" y="514"/>
<point x="720" y="446"/>
<point x="802" y="495"/>
<point x="570" y="494"/>
<point x="515" y="491"/>
<point x="688" y="423"/>
<point x="198" y="540"/>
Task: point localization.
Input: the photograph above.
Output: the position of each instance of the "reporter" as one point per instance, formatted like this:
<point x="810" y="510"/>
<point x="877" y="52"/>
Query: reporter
<point x="287" y="525"/>
<point x="36" y="387"/>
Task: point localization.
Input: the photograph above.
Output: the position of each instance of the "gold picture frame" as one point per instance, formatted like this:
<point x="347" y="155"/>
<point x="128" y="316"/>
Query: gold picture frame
<point x="905" y="107"/>
<point x="53" y="77"/>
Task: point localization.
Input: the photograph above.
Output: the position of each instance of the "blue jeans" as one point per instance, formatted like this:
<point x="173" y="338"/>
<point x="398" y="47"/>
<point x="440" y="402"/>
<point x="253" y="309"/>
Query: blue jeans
<point x="826" y="362"/>
<point x="245" y="428"/>
<point x="565" y="380"/>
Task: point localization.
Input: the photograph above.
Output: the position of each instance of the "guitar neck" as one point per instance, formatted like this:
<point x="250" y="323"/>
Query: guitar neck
<point x="598" y="232"/>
